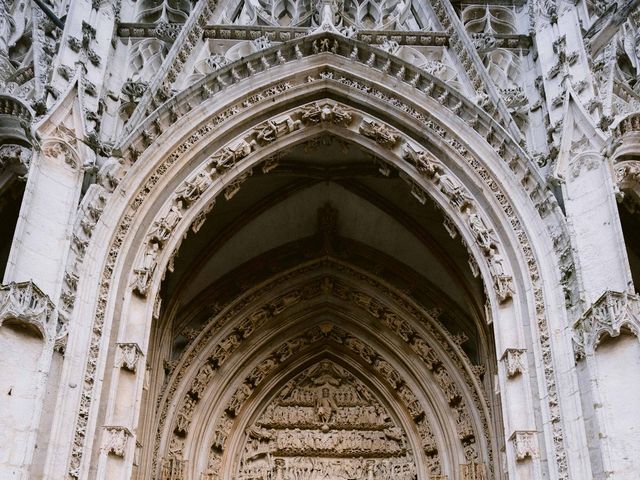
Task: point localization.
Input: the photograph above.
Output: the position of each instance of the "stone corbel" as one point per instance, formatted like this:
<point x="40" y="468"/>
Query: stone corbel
<point x="525" y="444"/>
<point x="128" y="356"/>
<point x="608" y="315"/>
<point x="115" y="440"/>
<point x="24" y="303"/>
<point x="514" y="360"/>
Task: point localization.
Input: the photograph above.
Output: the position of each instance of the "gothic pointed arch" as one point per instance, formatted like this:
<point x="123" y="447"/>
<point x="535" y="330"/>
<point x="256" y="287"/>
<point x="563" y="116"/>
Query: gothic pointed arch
<point x="442" y="148"/>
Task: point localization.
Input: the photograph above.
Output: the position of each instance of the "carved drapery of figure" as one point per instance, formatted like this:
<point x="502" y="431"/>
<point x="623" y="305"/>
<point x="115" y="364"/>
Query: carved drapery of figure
<point x="325" y="421"/>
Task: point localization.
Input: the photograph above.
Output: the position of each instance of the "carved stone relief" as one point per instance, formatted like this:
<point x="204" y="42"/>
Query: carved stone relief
<point x="25" y="303"/>
<point x="515" y="361"/>
<point x="326" y="424"/>
<point x="115" y="440"/>
<point x="503" y="283"/>
<point x="608" y="315"/>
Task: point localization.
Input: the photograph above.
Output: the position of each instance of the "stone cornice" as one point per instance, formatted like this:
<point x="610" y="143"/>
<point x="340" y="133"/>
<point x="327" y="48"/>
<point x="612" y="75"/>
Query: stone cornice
<point x="283" y="34"/>
<point x="608" y="315"/>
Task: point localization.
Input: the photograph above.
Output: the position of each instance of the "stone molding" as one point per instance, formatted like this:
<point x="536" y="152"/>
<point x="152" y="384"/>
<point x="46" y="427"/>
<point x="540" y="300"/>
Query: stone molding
<point x="132" y="154"/>
<point x="608" y="315"/>
<point x="253" y="317"/>
<point x="25" y="303"/>
<point x="198" y="135"/>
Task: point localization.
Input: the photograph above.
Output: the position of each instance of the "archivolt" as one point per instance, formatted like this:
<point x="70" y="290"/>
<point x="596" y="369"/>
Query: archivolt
<point x="286" y="306"/>
<point x="412" y="118"/>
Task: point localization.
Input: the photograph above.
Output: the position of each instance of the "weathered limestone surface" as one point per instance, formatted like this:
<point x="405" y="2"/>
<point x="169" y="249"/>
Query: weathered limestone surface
<point x="309" y="239"/>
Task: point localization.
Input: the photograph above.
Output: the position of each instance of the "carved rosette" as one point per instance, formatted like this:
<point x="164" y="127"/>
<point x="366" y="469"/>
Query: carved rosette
<point x="525" y="444"/>
<point x="608" y="315"/>
<point x="515" y="361"/>
<point x="116" y="439"/>
<point x="25" y="303"/>
<point x="128" y="356"/>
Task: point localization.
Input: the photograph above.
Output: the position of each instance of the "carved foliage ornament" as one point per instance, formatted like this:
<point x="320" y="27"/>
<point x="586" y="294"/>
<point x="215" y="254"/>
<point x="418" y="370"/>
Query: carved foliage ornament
<point x="525" y="444"/>
<point x="115" y="440"/>
<point x="25" y="303"/>
<point x="128" y="356"/>
<point x="515" y="361"/>
<point x="474" y="163"/>
<point x="608" y="315"/>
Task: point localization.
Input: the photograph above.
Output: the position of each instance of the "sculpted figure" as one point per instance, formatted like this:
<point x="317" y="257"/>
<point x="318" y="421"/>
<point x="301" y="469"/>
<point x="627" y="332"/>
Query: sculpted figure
<point x="162" y="229"/>
<point x="503" y="283"/>
<point x="224" y="348"/>
<point x="262" y="370"/>
<point x="424" y="163"/>
<point x="452" y="189"/>
<point x="381" y="134"/>
<point x="202" y="379"/>
<point x="242" y="393"/>
<point x="388" y="372"/>
<point x="144" y="273"/>
<point x="325" y="406"/>
<point x="227" y="158"/>
<point x="192" y="189"/>
<point x="425" y="352"/>
<point x="317" y="113"/>
<point x="270" y="131"/>
<point x="483" y="235"/>
<point x="360" y="348"/>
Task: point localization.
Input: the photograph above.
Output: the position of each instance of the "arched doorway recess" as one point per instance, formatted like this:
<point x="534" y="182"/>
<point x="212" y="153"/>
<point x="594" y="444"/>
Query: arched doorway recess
<point x="462" y="181"/>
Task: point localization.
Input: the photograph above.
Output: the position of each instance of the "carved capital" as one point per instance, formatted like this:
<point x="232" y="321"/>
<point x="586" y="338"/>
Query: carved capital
<point x="514" y="360"/>
<point x="128" y="356"/>
<point x="116" y="439"/>
<point x="26" y="304"/>
<point x="608" y="315"/>
<point x="525" y="444"/>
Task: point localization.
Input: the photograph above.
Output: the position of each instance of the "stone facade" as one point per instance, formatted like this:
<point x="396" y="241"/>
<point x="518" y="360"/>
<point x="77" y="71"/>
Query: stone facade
<point x="313" y="239"/>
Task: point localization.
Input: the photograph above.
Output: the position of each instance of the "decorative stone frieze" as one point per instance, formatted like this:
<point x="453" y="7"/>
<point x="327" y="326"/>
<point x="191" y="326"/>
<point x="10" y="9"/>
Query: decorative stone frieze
<point x="116" y="440"/>
<point x="608" y="315"/>
<point x="515" y="361"/>
<point x="128" y="356"/>
<point x="525" y="444"/>
<point x="24" y="303"/>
